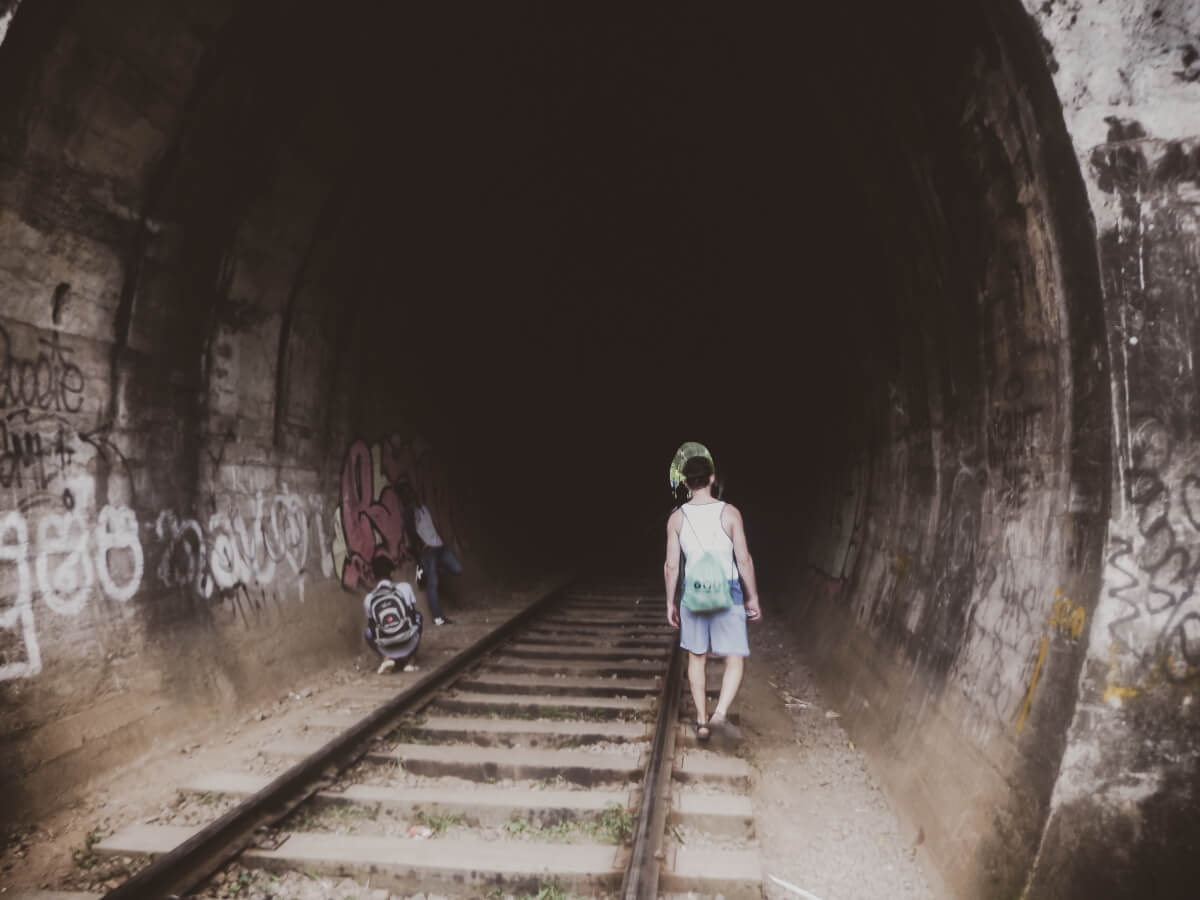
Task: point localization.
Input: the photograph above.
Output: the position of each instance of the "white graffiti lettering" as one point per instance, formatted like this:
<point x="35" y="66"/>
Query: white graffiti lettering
<point x="117" y="532"/>
<point x="244" y="549"/>
<point x="70" y="559"/>
<point x="228" y="567"/>
<point x="183" y="560"/>
<point x="66" y="571"/>
<point x="318" y="507"/>
<point x="65" y="536"/>
<point x="14" y="548"/>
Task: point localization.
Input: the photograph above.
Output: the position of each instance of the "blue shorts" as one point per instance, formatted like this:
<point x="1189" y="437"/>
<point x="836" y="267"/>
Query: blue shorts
<point x="721" y="634"/>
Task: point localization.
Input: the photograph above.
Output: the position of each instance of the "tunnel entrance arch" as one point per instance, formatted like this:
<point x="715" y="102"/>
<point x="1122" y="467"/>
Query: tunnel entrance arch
<point x="954" y="376"/>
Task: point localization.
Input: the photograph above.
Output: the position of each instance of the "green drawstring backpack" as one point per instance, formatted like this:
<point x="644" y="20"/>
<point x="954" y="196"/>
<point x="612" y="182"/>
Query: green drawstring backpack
<point x="705" y="587"/>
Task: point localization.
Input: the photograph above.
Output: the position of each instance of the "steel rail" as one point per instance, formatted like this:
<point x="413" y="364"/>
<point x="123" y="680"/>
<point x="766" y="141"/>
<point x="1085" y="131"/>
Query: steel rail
<point x="641" y="876"/>
<point x="182" y="868"/>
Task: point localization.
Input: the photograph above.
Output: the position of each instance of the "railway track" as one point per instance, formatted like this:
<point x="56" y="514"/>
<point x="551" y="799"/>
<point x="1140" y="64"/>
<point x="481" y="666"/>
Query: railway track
<point x="549" y="759"/>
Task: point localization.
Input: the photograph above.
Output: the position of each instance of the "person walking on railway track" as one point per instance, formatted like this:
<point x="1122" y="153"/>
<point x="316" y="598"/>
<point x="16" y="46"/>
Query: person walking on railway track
<point x="711" y="616"/>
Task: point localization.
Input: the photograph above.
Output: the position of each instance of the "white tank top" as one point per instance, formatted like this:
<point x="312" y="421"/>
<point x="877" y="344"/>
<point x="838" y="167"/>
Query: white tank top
<point x="700" y="532"/>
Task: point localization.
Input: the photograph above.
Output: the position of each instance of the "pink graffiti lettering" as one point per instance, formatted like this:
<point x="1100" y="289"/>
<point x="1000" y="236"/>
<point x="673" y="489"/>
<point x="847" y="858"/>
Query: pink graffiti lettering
<point x="372" y="517"/>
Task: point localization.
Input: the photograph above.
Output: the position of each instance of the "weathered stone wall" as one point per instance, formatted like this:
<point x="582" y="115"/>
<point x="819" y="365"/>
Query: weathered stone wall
<point x="1123" y="820"/>
<point x="1011" y="550"/>
<point x="188" y="504"/>
<point x="958" y="561"/>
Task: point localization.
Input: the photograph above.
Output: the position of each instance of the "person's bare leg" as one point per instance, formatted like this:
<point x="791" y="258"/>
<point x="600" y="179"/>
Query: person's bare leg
<point x="696" y="676"/>
<point x="731" y="680"/>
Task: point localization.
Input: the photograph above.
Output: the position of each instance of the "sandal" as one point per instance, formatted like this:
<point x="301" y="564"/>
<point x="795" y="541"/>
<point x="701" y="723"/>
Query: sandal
<point x="703" y="732"/>
<point x="727" y="728"/>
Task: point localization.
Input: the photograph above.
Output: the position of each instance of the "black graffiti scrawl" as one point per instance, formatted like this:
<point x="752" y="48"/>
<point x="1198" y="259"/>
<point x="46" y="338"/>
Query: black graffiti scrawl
<point x="48" y="381"/>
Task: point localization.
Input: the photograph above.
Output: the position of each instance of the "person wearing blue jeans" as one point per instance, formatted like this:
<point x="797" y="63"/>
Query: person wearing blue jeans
<point x="435" y="557"/>
<point x="434" y="560"/>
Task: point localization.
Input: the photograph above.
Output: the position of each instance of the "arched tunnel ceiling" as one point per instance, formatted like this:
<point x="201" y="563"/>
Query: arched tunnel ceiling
<point x="605" y="242"/>
<point x="562" y="245"/>
<point x="572" y="245"/>
<point x="591" y="244"/>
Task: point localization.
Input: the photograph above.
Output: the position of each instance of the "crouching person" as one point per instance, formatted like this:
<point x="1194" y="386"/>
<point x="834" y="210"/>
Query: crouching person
<point x="393" y="622"/>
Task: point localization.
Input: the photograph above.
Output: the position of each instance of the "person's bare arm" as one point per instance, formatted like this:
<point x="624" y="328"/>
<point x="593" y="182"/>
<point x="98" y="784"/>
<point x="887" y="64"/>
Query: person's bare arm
<point x="732" y="519"/>
<point x="671" y="568"/>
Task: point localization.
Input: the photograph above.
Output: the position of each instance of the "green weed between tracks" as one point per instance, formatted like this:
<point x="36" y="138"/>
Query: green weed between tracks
<point x="331" y="817"/>
<point x="545" y="892"/>
<point x="562" y="714"/>
<point x="409" y="732"/>
<point x="615" y="827"/>
<point x="439" y="822"/>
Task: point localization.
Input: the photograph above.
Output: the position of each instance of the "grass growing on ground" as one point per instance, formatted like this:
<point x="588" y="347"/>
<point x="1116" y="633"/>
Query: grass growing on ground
<point x="411" y="734"/>
<point x="553" y="713"/>
<point x="237" y="882"/>
<point x="85" y="857"/>
<point x="329" y="817"/>
<point x="517" y="826"/>
<point x="615" y="827"/>
<point x="243" y="881"/>
<point x="439" y="822"/>
<point x="616" y="824"/>
<point x="408" y="732"/>
<point x="563" y="714"/>
<point x="545" y="892"/>
<point x="92" y="871"/>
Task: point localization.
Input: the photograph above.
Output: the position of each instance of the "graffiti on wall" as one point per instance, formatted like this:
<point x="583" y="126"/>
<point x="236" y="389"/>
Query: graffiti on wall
<point x="1009" y="633"/>
<point x="1001" y="627"/>
<point x="63" y="564"/>
<point x="45" y="381"/>
<point x="59" y="549"/>
<point x="252" y="542"/>
<point x="35" y="450"/>
<point x="1154" y="561"/>
<point x="1013" y="427"/>
<point x="377" y="479"/>
<point x="1066" y="620"/>
<point x="40" y="391"/>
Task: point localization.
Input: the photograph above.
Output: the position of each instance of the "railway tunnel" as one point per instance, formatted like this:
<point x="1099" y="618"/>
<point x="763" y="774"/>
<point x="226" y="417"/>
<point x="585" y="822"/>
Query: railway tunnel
<point x="921" y="276"/>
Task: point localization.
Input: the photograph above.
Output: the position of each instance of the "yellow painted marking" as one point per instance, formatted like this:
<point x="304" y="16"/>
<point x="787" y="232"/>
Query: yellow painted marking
<point x="1078" y="620"/>
<point x="1037" y="671"/>
<point x="1115" y="692"/>
<point x="1067" y="616"/>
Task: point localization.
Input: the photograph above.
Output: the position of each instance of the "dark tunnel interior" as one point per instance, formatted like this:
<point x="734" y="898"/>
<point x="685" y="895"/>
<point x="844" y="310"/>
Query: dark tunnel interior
<point x="599" y="241"/>
<point x="609" y="239"/>
<point x="568" y="243"/>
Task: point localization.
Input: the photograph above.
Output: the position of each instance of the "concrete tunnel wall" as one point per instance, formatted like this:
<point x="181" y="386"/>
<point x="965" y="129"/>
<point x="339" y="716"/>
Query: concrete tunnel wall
<point x="195" y="480"/>
<point x="993" y="569"/>
<point x="999" y="588"/>
<point x="952" y="572"/>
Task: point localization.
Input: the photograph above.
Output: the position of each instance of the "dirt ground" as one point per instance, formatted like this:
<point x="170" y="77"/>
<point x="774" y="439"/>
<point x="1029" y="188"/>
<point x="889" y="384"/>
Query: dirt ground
<point x="823" y="823"/>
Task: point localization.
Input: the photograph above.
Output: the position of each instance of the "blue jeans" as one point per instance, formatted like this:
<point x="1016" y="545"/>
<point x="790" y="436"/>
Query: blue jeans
<point x="433" y="560"/>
